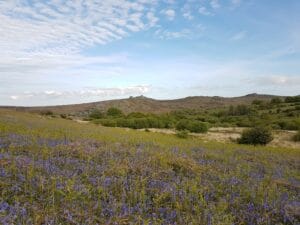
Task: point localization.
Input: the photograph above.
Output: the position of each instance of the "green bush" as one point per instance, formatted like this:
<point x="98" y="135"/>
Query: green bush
<point x="198" y="127"/>
<point x="140" y="123"/>
<point x="46" y="113"/>
<point x="136" y="115"/>
<point x="108" y="122"/>
<point x="182" y="124"/>
<point x="296" y="137"/>
<point x="114" y="112"/>
<point x="289" y="124"/>
<point x="239" y="110"/>
<point x="96" y="114"/>
<point x="192" y="126"/>
<point x="257" y="102"/>
<point x="276" y="100"/>
<point x="122" y="122"/>
<point x="292" y="99"/>
<point x="256" y="136"/>
<point x="63" y="116"/>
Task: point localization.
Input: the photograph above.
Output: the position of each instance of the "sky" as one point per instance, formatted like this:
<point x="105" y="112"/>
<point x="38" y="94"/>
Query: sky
<point x="56" y="52"/>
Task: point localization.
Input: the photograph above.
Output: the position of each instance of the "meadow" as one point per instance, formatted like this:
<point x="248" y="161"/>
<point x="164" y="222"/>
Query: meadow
<point x="57" y="171"/>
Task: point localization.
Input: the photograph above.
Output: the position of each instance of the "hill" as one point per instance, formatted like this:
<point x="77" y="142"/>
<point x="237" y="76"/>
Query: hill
<point x="149" y="105"/>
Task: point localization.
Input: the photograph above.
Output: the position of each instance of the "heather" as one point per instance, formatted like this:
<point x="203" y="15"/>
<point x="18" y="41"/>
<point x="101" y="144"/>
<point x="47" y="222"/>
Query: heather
<point x="55" y="171"/>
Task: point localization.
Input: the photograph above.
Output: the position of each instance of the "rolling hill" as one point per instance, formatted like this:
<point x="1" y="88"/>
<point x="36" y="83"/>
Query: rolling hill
<point x="149" y="105"/>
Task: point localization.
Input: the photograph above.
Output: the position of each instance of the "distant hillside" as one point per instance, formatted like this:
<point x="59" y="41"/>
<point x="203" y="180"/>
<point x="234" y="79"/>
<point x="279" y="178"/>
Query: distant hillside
<point x="148" y="105"/>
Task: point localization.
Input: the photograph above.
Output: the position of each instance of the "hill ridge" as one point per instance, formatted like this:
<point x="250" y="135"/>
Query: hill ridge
<point x="149" y="105"/>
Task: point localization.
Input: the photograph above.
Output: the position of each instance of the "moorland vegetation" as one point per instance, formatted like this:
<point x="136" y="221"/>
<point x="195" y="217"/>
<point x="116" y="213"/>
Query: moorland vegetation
<point x="58" y="171"/>
<point x="264" y="116"/>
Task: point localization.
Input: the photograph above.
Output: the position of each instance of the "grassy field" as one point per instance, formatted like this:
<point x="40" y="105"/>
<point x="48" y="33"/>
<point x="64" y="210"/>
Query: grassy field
<point x="56" y="171"/>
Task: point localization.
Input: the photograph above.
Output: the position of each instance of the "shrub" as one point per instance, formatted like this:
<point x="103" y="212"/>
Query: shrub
<point x="239" y="110"/>
<point x="292" y="99"/>
<point x="289" y="124"/>
<point x="114" y="112"/>
<point x="153" y="122"/>
<point x="122" y="122"/>
<point x="197" y="127"/>
<point x="256" y="136"/>
<point x="96" y="114"/>
<point x="63" y="116"/>
<point x="46" y="113"/>
<point x="135" y="115"/>
<point x="108" y="123"/>
<point x="276" y="100"/>
<point x="182" y="124"/>
<point x="296" y="137"/>
<point x="182" y="134"/>
<point x="244" y="122"/>
<point x="257" y="102"/>
<point x="140" y="123"/>
<point x="192" y="126"/>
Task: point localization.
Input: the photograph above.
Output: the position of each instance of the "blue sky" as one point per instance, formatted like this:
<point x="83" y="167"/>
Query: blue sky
<point x="72" y="51"/>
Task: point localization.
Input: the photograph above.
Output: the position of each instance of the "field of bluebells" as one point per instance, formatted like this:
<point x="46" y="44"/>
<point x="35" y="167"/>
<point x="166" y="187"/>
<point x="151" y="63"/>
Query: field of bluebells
<point x="55" y="171"/>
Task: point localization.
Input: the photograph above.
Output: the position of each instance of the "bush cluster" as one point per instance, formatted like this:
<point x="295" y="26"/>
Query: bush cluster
<point x="292" y="99"/>
<point x="289" y="124"/>
<point x="274" y="113"/>
<point x="256" y="136"/>
<point x="192" y="126"/>
<point x="46" y="113"/>
<point x="96" y="114"/>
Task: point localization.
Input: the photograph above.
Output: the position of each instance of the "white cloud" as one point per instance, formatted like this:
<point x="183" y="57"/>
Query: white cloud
<point x="215" y="4"/>
<point x="204" y="11"/>
<point x="32" y="63"/>
<point x="169" y="13"/>
<point x="167" y="35"/>
<point x="236" y="2"/>
<point x="188" y="15"/>
<point x="239" y="36"/>
<point x="14" y="97"/>
<point x="152" y="19"/>
<point x="186" y="33"/>
<point x="186" y="12"/>
<point x="67" y="26"/>
<point x="281" y="80"/>
<point x="170" y="1"/>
